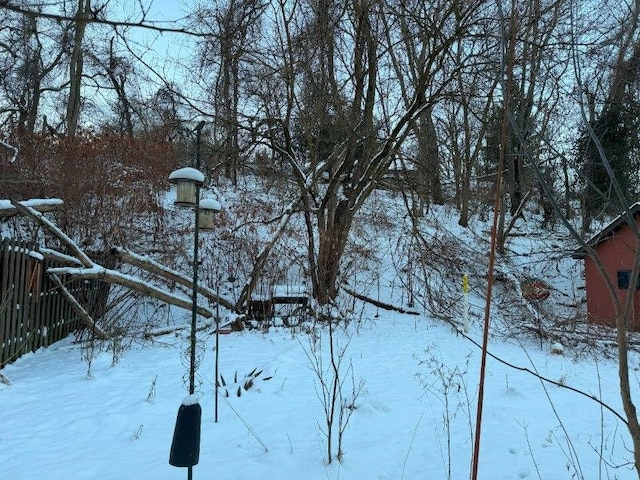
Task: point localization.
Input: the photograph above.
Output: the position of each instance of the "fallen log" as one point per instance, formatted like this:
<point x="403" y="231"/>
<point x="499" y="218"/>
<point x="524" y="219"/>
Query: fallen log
<point x="378" y="303"/>
<point x="156" y="268"/>
<point x="115" y="277"/>
<point x="41" y="205"/>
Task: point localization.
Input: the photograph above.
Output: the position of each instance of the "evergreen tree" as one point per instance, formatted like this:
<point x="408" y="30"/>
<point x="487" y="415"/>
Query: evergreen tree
<point x="616" y="132"/>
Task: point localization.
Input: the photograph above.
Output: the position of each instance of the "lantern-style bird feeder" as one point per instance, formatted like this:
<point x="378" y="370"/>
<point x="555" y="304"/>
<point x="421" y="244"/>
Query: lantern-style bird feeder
<point x="206" y="213"/>
<point x="187" y="181"/>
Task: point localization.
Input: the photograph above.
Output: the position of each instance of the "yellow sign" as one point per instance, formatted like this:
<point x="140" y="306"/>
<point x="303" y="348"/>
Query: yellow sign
<point x="465" y="283"/>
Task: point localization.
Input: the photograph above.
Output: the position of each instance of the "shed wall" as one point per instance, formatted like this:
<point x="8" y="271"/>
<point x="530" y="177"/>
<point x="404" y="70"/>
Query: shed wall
<point x="616" y="253"/>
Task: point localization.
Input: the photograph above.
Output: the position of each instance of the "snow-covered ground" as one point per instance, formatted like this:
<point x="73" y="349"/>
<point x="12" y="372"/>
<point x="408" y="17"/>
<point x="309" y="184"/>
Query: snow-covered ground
<point x="413" y="417"/>
<point x="72" y="412"/>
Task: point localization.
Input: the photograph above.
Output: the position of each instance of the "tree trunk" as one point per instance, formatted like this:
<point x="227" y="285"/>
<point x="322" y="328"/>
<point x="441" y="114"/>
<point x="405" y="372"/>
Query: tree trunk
<point x="432" y="156"/>
<point x="625" y="388"/>
<point x="75" y="68"/>
<point x="334" y="226"/>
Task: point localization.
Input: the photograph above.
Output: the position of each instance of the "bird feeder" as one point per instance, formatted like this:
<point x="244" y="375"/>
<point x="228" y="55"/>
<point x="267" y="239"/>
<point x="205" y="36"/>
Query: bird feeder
<point x="206" y="213"/>
<point x="187" y="181"/>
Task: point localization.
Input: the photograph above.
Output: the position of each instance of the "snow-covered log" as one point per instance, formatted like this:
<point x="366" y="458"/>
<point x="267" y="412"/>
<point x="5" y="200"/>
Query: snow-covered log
<point x="156" y="268"/>
<point x="114" y="277"/>
<point x="38" y="204"/>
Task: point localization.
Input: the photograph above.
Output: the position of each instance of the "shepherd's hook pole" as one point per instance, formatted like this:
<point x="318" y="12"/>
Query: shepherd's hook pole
<point x="194" y="307"/>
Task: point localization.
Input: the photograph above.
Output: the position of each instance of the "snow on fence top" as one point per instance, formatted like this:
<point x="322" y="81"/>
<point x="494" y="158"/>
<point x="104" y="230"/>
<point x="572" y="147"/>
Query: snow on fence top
<point x="39" y="204"/>
<point x="289" y="291"/>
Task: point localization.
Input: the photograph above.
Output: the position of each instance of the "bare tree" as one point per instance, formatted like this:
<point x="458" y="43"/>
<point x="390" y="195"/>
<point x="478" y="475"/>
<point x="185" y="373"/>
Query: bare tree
<point x="121" y="79"/>
<point x="76" y="65"/>
<point x="612" y="112"/>
<point x="336" y="173"/>
<point x="233" y="27"/>
<point x="408" y="45"/>
<point x="29" y="60"/>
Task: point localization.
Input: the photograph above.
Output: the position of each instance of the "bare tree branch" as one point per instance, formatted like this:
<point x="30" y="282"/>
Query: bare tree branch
<point x="94" y="18"/>
<point x="51" y="227"/>
<point x="78" y="309"/>
<point x="112" y="276"/>
<point x="40" y="205"/>
<point x="156" y="268"/>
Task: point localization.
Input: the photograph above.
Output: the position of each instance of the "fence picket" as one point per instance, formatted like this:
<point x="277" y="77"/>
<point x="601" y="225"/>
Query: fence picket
<point x="5" y="311"/>
<point x="14" y="305"/>
<point x="34" y="314"/>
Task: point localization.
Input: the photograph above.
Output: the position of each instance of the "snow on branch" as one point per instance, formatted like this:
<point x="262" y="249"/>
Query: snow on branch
<point x="49" y="225"/>
<point x="39" y="204"/>
<point x="112" y="276"/>
<point x="156" y="268"/>
<point x="51" y="254"/>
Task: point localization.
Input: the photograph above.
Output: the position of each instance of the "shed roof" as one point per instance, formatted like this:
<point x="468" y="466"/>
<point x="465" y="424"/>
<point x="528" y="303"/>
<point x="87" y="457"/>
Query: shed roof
<point x="613" y="226"/>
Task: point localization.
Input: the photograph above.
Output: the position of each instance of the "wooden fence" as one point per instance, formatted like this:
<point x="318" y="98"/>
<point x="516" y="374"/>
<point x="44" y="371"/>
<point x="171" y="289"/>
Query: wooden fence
<point x="33" y="313"/>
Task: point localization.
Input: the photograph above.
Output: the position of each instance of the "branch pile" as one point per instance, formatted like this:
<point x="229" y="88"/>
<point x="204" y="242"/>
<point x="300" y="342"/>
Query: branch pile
<point x="84" y="267"/>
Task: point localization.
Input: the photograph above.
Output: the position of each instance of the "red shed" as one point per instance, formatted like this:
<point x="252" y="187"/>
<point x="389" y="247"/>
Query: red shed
<point x="616" y="245"/>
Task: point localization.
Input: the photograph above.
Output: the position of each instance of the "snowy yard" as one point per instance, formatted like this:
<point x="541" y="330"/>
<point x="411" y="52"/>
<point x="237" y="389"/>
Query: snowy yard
<point x="412" y="419"/>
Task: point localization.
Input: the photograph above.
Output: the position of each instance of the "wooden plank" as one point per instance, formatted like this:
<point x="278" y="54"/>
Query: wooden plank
<point x="47" y="323"/>
<point x="45" y="315"/>
<point x="4" y="300"/>
<point x="49" y="311"/>
<point x="66" y="315"/>
<point x="14" y="273"/>
<point x="56" y="313"/>
<point x="22" y="317"/>
<point x="290" y="295"/>
<point x="36" y="305"/>
<point x="62" y="316"/>
<point x="69" y="313"/>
